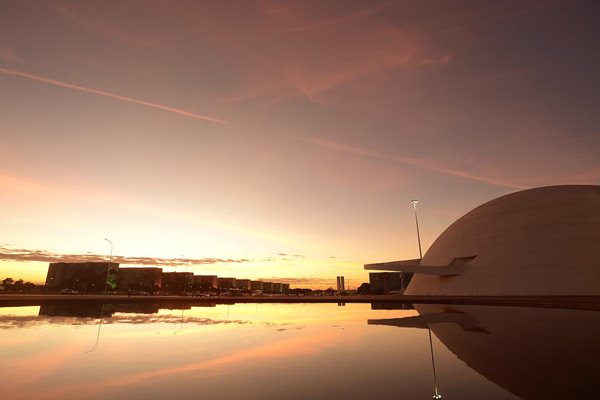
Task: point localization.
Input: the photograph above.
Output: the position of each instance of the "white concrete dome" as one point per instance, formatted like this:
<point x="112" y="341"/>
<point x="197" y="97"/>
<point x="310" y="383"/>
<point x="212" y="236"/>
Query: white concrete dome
<point x="543" y="241"/>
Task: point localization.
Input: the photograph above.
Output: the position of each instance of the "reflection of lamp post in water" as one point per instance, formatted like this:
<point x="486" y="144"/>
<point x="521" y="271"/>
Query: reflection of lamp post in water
<point x="105" y="290"/>
<point x="181" y="322"/>
<point x="436" y="395"/>
<point x="109" y="264"/>
<point x="99" y="328"/>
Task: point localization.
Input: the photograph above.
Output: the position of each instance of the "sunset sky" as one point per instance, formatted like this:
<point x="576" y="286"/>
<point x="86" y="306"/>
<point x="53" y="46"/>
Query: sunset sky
<point x="281" y="139"/>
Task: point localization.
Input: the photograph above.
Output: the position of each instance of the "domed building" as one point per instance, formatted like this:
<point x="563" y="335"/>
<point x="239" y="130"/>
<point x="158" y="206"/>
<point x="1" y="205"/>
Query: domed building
<point x="542" y="241"/>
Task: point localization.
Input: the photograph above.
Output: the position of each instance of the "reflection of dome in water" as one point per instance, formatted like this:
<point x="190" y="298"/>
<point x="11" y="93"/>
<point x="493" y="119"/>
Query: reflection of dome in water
<point x="534" y="353"/>
<point x="543" y="241"/>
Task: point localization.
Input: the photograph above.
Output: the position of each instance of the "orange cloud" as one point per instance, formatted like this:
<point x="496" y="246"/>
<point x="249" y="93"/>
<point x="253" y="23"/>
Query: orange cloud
<point x="33" y="368"/>
<point x="352" y="45"/>
<point x="295" y="347"/>
<point x="67" y="85"/>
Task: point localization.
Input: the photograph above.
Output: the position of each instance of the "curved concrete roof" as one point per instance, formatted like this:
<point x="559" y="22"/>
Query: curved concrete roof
<point x="543" y="241"/>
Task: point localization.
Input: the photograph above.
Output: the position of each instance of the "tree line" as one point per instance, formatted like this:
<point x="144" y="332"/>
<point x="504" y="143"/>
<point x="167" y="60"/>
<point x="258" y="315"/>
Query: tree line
<point x="18" y="286"/>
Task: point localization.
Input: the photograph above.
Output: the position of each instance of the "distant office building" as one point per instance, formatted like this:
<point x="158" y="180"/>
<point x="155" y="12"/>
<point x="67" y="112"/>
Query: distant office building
<point x="276" y="287"/>
<point x="243" y="284"/>
<point x="177" y="282"/>
<point x="285" y="287"/>
<point x="143" y="279"/>
<point x="341" y="285"/>
<point x="267" y="287"/>
<point x="226" y="283"/>
<point x="205" y="282"/>
<point x="385" y="282"/>
<point x="256" y="285"/>
<point x="84" y="277"/>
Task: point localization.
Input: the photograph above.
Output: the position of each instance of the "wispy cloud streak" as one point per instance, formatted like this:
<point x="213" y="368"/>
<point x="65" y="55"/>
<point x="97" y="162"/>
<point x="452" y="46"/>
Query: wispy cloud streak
<point x="67" y="85"/>
<point x="340" y="147"/>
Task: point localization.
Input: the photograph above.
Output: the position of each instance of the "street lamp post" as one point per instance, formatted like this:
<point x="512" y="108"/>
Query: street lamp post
<point x="109" y="264"/>
<point x="414" y="203"/>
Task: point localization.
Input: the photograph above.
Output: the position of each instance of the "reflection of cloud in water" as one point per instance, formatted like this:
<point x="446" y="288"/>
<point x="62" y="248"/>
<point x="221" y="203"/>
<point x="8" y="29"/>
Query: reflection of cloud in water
<point x="18" y="321"/>
<point x="298" y="346"/>
<point x="298" y="328"/>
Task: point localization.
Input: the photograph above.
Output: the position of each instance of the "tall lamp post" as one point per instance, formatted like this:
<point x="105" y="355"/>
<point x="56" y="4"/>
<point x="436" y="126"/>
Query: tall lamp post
<point x="414" y="203"/>
<point x="109" y="264"/>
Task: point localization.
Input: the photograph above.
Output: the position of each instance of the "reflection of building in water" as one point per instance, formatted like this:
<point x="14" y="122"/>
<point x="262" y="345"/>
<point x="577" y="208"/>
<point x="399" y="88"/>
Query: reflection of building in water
<point x="175" y="305"/>
<point x="243" y="284"/>
<point x="97" y="310"/>
<point x="137" y="308"/>
<point x="226" y="283"/>
<point x="144" y="279"/>
<point x="542" y="241"/>
<point x="83" y="277"/>
<point x="205" y="282"/>
<point x="384" y="305"/>
<point x="175" y="282"/>
<point x="81" y="310"/>
<point x="534" y="353"/>
<point x="385" y="282"/>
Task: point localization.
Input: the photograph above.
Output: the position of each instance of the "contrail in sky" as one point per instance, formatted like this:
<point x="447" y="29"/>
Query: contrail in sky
<point x="408" y="161"/>
<point x="185" y="113"/>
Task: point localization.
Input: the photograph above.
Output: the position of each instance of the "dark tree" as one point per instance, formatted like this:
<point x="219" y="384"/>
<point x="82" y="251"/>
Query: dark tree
<point x="364" y="288"/>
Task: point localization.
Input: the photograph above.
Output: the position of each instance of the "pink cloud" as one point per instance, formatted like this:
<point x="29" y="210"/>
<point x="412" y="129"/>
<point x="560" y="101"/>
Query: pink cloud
<point x="8" y="55"/>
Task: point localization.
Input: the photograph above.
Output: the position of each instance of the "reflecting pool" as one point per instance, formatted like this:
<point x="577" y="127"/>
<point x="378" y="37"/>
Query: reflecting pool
<point x="297" y="351"/>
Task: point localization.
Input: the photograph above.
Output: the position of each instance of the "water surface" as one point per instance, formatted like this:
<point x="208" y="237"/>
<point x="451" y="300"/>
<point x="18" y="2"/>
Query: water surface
<point x="296" y="351"/>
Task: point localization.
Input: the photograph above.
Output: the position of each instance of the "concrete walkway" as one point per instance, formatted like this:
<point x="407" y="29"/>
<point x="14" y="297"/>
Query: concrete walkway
<point x="571" y="302"/>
